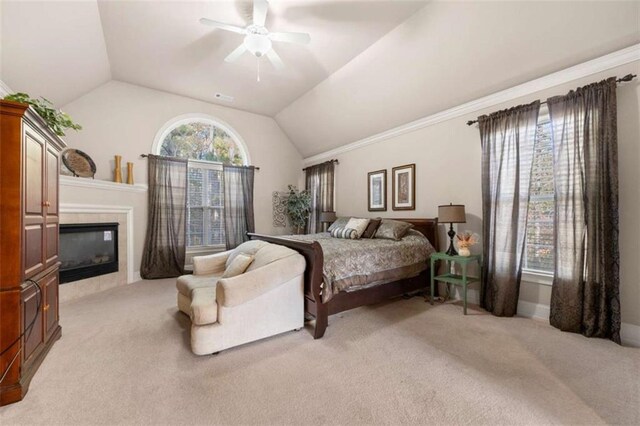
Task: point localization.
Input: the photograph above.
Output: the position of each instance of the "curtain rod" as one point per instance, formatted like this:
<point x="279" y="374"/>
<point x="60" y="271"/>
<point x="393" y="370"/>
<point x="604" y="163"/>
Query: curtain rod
<point x="250" y="167"/>
<point x="330" y="161"/>
<point x="626" y="78"/>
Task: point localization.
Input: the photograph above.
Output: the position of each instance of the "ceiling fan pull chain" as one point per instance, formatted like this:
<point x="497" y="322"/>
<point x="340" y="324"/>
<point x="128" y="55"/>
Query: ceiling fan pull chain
<point x="258" y="69"/>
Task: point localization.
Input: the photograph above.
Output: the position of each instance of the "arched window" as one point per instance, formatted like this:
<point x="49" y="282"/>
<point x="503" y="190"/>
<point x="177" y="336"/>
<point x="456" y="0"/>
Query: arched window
<point x="208" y="144"/>
<point x="202" y="140"/>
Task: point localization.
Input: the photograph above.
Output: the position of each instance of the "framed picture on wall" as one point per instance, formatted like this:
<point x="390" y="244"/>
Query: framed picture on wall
<point x="403" y="187"/>
<point x="377" y="190"/>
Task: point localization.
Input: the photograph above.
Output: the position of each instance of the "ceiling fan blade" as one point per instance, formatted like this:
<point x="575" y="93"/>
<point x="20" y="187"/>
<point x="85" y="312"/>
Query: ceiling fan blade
<point x="260" y="8"/>
<point x="275" y="59"/>
<point x="236" y="53"/>
<point x="222" y="26"/>
<point x="300" y="38"/>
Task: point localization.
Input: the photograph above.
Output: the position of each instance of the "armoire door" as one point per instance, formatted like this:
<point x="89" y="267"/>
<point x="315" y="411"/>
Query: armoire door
<point x="49" y="286"/>
<point x="32" y="320"/>
<point x="52" y="218"/>
<point x="34" y="202"/>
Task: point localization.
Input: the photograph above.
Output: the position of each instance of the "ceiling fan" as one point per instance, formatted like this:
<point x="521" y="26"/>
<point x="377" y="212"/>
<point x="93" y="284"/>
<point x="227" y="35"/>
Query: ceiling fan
<point x="257" y="39"/>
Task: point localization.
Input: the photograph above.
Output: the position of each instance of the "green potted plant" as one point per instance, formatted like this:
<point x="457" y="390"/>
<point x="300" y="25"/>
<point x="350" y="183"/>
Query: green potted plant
<point x="57" y="120"/>
<point x="298" y="208"/>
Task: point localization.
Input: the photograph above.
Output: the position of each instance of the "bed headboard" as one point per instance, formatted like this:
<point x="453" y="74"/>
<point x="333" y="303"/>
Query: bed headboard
<point x="428" y="228"/>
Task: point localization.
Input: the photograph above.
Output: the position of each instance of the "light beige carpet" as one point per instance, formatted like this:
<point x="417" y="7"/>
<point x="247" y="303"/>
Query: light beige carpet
<point x="124" y="358"/>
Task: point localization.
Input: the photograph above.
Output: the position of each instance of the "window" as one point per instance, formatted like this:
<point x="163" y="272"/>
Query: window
<point x="198" y="140"/>
<point x="205" y="204"/>
<point x="539" y="256"/>
<point x="208" y="145"/>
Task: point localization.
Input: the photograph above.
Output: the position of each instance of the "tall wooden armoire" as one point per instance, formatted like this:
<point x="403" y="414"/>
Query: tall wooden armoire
<point x="29" y="217"/>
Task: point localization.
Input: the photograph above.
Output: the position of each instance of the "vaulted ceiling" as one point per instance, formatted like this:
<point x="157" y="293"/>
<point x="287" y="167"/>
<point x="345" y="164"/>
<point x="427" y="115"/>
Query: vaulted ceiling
<point x="449" y="53"/>
<point x="371" y="65"/>
<point x="52" y="49"/>
<point x="161" y="45"/>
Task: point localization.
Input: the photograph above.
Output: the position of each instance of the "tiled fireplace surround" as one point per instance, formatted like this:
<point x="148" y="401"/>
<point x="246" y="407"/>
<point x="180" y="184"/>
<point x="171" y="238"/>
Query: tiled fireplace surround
<point x="82" y="213"/>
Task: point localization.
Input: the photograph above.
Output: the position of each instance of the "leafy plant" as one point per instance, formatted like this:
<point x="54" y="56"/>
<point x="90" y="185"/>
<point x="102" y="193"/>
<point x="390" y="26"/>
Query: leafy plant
<point x="298" y="207"/>
<point x="57" y="120"/>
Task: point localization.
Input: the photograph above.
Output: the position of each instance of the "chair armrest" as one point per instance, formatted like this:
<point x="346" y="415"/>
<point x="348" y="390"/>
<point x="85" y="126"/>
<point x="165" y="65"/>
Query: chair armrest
<point x="210" y="264"/>
<point x="245" y="287"/>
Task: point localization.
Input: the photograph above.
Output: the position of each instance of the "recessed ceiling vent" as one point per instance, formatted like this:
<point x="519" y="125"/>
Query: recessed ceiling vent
<point x="225" y="98"/>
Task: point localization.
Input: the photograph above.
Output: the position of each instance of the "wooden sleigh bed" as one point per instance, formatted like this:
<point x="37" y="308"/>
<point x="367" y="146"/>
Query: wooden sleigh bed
<point x="345" y="300"/>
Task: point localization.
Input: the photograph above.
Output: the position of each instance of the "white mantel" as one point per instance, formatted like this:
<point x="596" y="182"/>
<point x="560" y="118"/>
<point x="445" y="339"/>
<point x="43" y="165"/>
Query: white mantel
<point x="101" y="184"/>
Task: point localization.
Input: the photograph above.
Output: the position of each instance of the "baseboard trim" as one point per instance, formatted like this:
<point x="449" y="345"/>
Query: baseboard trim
<point x="629" y="333"/>
<point x="533" y="310"/>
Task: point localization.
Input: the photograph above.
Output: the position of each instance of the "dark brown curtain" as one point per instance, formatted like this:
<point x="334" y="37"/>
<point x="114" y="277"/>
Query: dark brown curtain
<point x="238" y="204"/>
<point x="508" y="139"/>
<point x="585" y="294"/>
<point x="319" y="181"/>
<point x="164" y="245"/>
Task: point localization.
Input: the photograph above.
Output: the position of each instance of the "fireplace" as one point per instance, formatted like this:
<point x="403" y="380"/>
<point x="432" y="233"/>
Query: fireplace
<point x="88" y="250"/>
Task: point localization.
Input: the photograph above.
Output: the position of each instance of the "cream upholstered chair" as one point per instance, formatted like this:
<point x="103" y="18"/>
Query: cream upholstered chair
<point x="267" y="299"/>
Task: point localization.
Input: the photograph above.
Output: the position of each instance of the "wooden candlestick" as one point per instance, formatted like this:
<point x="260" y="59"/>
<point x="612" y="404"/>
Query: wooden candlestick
<point x="130" y="173"/>
<point x="117" y="173"/>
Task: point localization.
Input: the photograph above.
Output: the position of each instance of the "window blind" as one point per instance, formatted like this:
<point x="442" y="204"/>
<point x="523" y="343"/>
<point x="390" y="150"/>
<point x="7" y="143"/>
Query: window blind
<point x="539" y="255"/>
<point x="205" y="205"/>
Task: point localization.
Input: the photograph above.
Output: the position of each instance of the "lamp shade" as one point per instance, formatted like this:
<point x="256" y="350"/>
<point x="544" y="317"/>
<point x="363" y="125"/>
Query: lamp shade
<point x="452" y="213"/>
<point x="327" y="217"/>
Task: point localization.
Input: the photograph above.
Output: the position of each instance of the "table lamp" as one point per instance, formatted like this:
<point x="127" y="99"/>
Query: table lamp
<point x="452" y="213"/>
<point x="327" y="217"/>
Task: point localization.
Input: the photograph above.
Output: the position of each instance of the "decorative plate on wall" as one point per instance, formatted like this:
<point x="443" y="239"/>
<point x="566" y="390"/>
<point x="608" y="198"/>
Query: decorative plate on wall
<point x="280" y="209"/>
<point x="79" y="163"/>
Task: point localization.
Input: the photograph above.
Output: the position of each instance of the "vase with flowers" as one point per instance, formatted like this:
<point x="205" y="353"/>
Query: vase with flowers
<point x="466" y="239"/>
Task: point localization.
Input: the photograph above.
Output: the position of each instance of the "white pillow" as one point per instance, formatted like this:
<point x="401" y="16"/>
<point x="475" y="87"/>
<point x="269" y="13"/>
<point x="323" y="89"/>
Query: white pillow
<point x="358" y="224"/>
<point x="238" y="265"/>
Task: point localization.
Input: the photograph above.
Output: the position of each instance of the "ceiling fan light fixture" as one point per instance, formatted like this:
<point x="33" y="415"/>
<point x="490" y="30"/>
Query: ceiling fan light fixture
<point x="258" y="40"/>
<point x="257" y="44"/>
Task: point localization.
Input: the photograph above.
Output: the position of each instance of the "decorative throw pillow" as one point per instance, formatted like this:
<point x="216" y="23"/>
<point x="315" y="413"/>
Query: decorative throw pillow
<point x="238" y="265"/>
<point x="347" y="233"/>
<point x="340" y="222"/>
<point x="392" y="229"/>
<point x="372" y="227"/>
<point x="358" y="224"/>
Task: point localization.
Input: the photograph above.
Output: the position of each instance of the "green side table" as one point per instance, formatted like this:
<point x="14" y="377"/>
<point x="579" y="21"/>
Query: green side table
<point x="449" y="278"/>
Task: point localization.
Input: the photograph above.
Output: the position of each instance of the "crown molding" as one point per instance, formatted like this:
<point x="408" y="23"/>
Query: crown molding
<point x="4" y="89"/>
<point x="585" y="69"/>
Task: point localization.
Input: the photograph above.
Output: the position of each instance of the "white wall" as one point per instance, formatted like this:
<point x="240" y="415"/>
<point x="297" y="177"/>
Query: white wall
<point x="123" y="119"/>
<point x="447" y="157"/>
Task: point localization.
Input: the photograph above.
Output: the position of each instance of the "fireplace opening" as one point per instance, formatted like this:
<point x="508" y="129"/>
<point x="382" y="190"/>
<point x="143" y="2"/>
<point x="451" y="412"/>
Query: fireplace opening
<point x="88" y="250"/>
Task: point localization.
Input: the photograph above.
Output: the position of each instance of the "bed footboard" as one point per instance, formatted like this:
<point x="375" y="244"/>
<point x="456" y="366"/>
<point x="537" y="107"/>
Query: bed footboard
<point x="313" y="281"/>
<point x="312" y="252"/>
